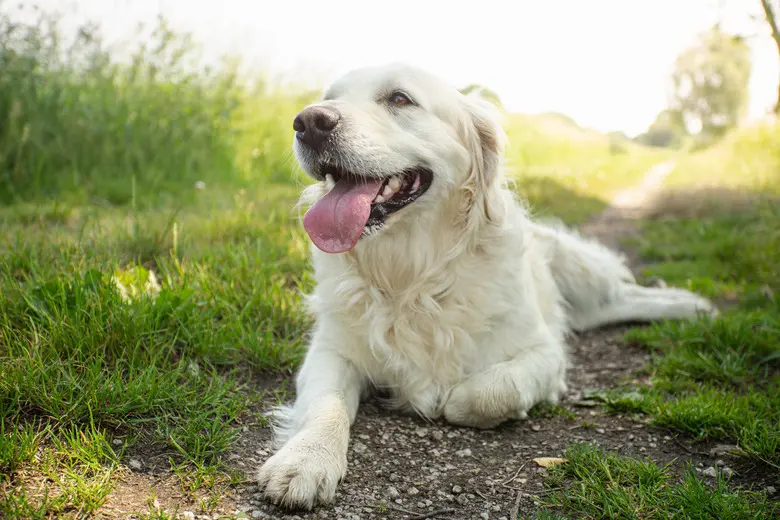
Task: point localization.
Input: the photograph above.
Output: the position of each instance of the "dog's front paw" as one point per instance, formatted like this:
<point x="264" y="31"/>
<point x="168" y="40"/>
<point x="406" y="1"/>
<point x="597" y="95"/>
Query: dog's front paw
<point x="480" y="403"/>
<point x="302" y="473"/>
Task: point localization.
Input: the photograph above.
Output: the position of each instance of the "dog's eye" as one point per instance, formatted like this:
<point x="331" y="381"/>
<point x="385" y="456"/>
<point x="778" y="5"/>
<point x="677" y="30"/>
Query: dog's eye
<point x="400" y="99"/>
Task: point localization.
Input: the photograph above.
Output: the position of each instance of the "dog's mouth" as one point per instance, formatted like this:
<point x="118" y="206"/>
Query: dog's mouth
<point x="359" y="205"/>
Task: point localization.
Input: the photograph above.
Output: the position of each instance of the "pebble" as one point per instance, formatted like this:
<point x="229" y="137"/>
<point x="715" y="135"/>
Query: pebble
<point x="536" y="427"/>
<point x="117" y="442"/>
<point x="437" y="435"/>
<point x="421" y="432"/>
<point x="771" y="490"/>
<point x="631" y="436"/>
<point x="464" y="452"/>
<point x="484" y="516"/>
<point x="413" y="490"/>
<point x="727" y="472"/>
<point x="720" y="463"/>
<point x="359" y="447"/>
<point x="600" y="430"/>
<point x="135" y="464"/>
<point x="462" y="500"/>
<point x="710" y="472"/>
<point x="188" y="515"/>
<point x="393" y="492"/>
<point x="457" y="489"/>
<point x="258" y="514"/>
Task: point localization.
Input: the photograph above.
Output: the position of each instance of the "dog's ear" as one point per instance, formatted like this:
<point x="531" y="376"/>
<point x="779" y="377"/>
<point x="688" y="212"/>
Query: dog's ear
<point x="485" y="140"/>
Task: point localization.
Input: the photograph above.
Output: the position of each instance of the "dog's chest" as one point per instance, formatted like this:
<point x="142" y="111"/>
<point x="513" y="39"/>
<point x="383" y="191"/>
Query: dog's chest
<point x="420" y="343"/>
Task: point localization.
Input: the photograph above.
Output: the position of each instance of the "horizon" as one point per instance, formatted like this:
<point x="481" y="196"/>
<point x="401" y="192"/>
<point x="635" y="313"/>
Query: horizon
<point x="519" y="55"/>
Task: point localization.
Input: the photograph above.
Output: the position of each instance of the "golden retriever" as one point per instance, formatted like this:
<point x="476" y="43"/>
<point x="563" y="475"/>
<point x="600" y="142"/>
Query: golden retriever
<point x="432" y="281"/>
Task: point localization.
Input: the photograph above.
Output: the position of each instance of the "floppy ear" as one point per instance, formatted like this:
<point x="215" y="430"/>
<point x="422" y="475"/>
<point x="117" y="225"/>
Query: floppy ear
<point x="485" y="140"/>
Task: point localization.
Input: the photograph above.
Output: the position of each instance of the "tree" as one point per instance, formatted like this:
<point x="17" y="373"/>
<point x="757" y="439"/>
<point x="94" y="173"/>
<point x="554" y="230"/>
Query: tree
<point x="667" y="131"/>
<point x="710" y="83"/>
<point x="772" y="11"/>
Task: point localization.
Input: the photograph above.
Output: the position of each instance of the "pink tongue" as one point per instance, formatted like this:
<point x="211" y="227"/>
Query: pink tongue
<point x="336" y="221"/>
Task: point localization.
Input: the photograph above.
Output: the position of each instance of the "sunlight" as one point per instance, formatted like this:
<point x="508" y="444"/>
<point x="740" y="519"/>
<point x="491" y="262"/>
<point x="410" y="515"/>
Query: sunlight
<point x="604" y="63"/>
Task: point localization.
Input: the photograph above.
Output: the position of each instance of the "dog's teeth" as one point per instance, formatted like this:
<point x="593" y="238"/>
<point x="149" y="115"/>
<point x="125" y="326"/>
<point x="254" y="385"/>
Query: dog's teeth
<point x="379" y="199"/>
<point x="388" y="192"/>
<point x="394" y="184"/>
<point x="329" y="182"/>
<point x="416" y="185"/>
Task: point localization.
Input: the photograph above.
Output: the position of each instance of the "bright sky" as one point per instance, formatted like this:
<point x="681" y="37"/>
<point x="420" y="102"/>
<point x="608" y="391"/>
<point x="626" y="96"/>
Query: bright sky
<point x="605" y="63"/>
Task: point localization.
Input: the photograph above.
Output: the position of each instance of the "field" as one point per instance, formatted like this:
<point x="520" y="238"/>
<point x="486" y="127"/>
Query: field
<point x="151" y="270"/>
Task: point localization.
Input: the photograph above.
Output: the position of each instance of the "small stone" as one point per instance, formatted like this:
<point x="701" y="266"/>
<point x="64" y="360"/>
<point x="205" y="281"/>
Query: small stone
<point x="710" y="472"/>
<point x="720" y="463"/>
<point x="393" y="492"/>
<point x="631" y="436"/>
<point x="457" y="489"/>
<point x="727" y="472"/>
<point x="771" y="490"/>
<point x="258" y="514"/>
<point x="135" y="464"/>
<point x="412" y="490"/>
<point x="437" y="435"/>
<point x="464" y="452"/>
<point x="484" y="516"/>
<point x="421" y="432"/>
<point x="642" y="449"/>
<point x="462" y="500"/>
<point x="600" y="430"/>
<point x="394" y="477"/>
<point x="188" y="515"/>
<point x="359" y="447"/>
<point x="117" y="442"/>
<point x="653" y="445"/>
<point x="536" y="427"/>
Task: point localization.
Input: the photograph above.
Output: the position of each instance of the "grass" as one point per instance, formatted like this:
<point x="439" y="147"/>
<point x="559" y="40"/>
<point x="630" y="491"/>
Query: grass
<point x="570" y="172"/>
<point x="597" y="484"/>
<point x="719" y="379"/>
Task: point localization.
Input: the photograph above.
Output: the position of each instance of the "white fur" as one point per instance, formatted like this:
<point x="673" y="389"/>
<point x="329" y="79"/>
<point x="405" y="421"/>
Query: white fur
<point x="459" y="306"/>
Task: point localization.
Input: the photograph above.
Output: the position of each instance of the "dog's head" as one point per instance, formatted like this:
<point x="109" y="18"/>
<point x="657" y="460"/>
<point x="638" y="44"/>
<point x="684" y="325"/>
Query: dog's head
<point x="393" y="143"/>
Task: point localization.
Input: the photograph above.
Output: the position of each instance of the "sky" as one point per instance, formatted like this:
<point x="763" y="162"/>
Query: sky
<point x="605" y="63"/>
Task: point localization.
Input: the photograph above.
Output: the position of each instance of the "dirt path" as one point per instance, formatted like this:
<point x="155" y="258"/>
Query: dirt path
<point x="402" y="467"/>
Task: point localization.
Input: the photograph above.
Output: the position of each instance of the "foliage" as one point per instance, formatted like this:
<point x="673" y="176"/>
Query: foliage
<point x="710" y="83"/>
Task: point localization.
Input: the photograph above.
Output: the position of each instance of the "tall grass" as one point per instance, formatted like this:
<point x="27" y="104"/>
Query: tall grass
<point x="75" y="122"/>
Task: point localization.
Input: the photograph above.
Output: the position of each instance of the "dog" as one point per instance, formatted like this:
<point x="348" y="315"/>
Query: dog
<point x="433" y="282"/>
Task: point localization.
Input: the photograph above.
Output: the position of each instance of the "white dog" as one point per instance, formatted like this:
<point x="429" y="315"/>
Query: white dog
<point x="432" y="281"/>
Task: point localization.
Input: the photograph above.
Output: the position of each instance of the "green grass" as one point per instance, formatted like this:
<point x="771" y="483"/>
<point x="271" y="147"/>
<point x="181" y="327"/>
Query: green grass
<point x="570" y="172"/>
<point x="746" y="159"/>
<point x="597" y="484"/>
<point x="719" y="379"/>
<point x="80" y="127"/>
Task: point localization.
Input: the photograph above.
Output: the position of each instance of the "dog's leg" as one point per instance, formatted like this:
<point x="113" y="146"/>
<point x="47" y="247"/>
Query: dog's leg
<point x="508" y="390"/>
<point x="315" y="431"/>
<point x="635" y="303"/>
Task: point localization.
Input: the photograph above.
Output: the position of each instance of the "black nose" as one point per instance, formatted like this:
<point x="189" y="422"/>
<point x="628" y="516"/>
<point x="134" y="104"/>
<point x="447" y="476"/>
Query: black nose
<point x="314" y="124"/>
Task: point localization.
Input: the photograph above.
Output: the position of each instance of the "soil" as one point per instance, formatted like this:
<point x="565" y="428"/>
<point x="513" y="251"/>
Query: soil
<point x="404" y="467"/>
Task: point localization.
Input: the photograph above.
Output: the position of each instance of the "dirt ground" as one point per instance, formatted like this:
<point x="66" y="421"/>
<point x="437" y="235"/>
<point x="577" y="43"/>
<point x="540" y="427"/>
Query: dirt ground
<point x="402" y="467"/>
